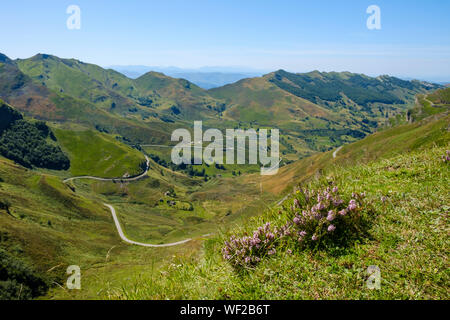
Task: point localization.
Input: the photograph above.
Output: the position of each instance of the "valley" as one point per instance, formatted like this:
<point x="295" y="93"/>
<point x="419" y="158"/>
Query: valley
<point x="110" y="200"/>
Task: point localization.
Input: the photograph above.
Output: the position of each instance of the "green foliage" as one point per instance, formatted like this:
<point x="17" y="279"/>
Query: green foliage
<point x="441" y="97"/>
<point x="18" y="280"/>
<point x="408" y="243"/>
<point x="99" y="154"/>
<point x="330" y="86"/>
<point x="8" y="116"/>
<point x="25" y="143"/>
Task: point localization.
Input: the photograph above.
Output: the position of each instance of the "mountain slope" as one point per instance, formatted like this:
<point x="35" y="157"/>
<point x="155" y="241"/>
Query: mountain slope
<point x="178" y="97"/>
<point x="79" y="80"/>
<point x="406" y="212"/>
<point x="318" y="110"/>
<point x="383" y="144"/>
<point x="429" y="104"/>
<point x="111" y="90"/>
<point x="314" y="111"/>
<point x="282" y="95"/>
<point x="48" y="102"/>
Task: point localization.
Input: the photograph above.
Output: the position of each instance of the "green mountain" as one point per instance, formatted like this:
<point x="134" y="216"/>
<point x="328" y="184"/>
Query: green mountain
<point x="44" y="97"/>
<point x="319" y="110"/>
<point x="29" y="143"/>
<point x="151" y="95"/>
<point x="397" y="223"/>
<point x="100" y="123"/>
<point x="429" y="104"/>
<point x="314" y="111"/>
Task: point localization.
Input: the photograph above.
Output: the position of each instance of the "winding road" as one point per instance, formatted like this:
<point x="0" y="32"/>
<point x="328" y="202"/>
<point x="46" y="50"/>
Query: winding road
<point x="114" y="179"/>
<point x="124" y="238"/>
<point x="113" y="211"/>
<point x="116" y="219"/>
<point x="336" y="151"/>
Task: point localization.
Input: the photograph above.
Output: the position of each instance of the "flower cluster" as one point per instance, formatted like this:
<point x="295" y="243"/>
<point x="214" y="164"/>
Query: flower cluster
<point x="325" y="216"/>
<point x="249" y="250"/>
<point x="446" y="157"/>
<point x="315" y="217"/>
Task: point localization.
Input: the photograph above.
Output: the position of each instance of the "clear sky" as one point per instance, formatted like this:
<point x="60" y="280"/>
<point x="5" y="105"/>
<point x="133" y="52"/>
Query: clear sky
<point x="299" y="36"/>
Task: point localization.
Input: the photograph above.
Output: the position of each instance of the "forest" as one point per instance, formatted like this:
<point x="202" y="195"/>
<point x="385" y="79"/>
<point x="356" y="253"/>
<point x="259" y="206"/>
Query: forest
<point x="29" y="143"/>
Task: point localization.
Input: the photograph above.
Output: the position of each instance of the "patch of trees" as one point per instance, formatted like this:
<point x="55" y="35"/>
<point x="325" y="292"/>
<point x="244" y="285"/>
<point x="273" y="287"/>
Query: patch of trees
<point x="18" y="280"/>
<point x="5" y="205"/>
<point x="166" y="119"/>
<point x="7" y="116"/>
<point x="333" y="133"/>
<point x="359" y="89"/>
<point x="175" y="110"/>
<point x="145" y="101"/>
<point x="26" y="143"/>
<point x="186" y="168"/>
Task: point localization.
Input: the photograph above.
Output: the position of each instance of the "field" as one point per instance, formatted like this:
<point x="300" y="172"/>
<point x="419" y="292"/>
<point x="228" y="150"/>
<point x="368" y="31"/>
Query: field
<point x="106" y="124"/>
<point x="407" y="241"/>
<point x="96" y="154"/>
<point x="401" y="171"/>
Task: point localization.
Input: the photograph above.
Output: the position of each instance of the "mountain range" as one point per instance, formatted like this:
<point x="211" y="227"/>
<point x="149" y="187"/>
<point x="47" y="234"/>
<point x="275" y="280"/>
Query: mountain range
<point x="315" y="111"/>
<point x="74" y="135"/>
<point x="205" y="77"/>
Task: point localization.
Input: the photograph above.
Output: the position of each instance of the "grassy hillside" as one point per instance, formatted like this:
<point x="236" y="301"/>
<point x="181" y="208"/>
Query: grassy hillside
<point x="331" y="88"/>
<point x="177" y="98"/>
<point x="318" y="111"/>
<point x="386" y="143"/>
<point x="404" y="234"/>
<point x="440" y="97"/>
<point x="46" y="225"/>
<point x="41" y="95"/>
<point x="314" y="111"/>
<point x="150" y="96"/>
<point x="98" y="154"/>
<point x="429" y="104"/>
<point x="97" y="115"/>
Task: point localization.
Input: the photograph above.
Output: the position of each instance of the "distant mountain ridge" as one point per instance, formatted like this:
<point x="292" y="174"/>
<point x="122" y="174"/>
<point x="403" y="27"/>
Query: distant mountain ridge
<point x="206" y="77"/>
<point x="314" y="111"/>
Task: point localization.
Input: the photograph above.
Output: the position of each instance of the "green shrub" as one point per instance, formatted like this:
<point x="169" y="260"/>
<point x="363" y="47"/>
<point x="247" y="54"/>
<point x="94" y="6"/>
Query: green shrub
<point x="25" y="143"/>
<point x="18" y="280"/>
<point x="317" y="219"/>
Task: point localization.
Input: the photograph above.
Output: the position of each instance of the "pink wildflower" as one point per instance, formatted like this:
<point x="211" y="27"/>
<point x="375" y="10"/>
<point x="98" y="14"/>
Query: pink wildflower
<point x="352" y="205"/>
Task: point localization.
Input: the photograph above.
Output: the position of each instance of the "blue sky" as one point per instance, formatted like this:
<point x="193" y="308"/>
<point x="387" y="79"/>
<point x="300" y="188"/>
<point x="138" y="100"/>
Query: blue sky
<point x="299" y="36"/>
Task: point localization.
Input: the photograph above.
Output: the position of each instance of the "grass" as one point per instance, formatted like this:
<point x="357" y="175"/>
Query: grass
<point x="98" y="154"/>
<point x="408" y="242"/>
<point x="145" y="219"/>
<point x="196" y="270"/>
<point x="386" y="143"/>
<point x="52" y="225"/>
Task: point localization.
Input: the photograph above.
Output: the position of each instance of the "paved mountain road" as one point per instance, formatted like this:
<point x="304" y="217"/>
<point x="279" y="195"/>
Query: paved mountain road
<point x="336" y="151"/>
<point x="124" y="238"/>
<point x="114" y="179"/>
<point x="113" y="211"/>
